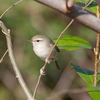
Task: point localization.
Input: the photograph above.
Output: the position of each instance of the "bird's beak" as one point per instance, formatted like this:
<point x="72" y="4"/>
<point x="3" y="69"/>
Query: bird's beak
<point x="29" y="40"/>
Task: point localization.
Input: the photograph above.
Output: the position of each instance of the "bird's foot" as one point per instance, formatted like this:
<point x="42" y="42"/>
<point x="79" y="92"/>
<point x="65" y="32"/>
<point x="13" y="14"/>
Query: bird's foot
<point x="42" y="72"/>
<point x="47" y="61"/>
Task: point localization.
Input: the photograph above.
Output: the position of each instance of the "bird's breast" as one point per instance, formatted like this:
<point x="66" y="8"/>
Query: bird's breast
<point x="43" y="52"/>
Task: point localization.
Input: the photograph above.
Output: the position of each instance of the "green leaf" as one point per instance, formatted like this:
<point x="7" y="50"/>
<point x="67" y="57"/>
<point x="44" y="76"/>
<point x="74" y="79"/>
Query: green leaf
<point x="92" y="7"/>
<point x="70" y="43"/>
<point x="87" y="75"/>
<point x="83" y="1"/>
<point x="94" y="92"/>
<point x="71" y="67"/>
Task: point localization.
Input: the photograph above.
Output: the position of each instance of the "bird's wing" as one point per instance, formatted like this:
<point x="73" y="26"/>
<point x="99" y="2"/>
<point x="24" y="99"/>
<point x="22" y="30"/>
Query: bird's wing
<point x="55" y="46"/>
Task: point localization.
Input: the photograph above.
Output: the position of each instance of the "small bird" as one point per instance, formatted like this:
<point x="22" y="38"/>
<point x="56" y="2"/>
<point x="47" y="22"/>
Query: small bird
<point x="42" y="46"/>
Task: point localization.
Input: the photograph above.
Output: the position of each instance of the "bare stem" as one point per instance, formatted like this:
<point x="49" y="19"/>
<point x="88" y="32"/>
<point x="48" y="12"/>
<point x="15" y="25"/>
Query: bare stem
<point x="96" y="60"/>
<point x="34" y="95"/>
<point x="7" y="34"/>
<point x="88" y="4"/>
<point x="12" y="59"/>
<point x="96" y="53"/>
<point x="10" y="8"/>
<point x="3" y="56"/>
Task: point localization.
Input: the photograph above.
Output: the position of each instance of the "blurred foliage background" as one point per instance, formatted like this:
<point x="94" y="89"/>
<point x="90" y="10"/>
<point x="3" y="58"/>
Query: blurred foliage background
<point x="25" y="20"/>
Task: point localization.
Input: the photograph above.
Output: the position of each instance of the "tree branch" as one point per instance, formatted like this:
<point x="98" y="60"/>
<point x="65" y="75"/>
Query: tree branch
<point x="34" y="95"/>
<point x="96" y="64"/>
<point x="83" y="17"/>
<point x="12" y="58"/>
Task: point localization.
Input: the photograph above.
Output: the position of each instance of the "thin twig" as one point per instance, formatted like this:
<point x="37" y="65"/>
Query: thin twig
<point x="10" y="8"/>
<point x="58" y="40"/>
<point x="12" y="59"/>
<point x="6" y="11"/>
<point x="34" y="95"/>
<point x="3" y="56"/>
<point x="96" y="63"/>
<point x="88" y="4"/>
<point x="7" y="35"/>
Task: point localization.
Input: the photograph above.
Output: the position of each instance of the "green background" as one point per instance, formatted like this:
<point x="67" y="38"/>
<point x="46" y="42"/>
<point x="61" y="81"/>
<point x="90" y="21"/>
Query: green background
<point x="25" y="20"/>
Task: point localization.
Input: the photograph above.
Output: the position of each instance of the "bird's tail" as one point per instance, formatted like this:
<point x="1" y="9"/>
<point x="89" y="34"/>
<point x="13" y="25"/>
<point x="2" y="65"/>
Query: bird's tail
<point x="57" y="64"/>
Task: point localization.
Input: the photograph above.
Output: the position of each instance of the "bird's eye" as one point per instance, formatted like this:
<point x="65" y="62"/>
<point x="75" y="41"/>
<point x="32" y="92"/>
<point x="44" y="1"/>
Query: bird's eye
<point x="37" y="40"/>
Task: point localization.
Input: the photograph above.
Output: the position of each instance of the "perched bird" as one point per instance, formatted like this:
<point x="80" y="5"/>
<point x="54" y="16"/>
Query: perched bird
<point x="42" y="46"/>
